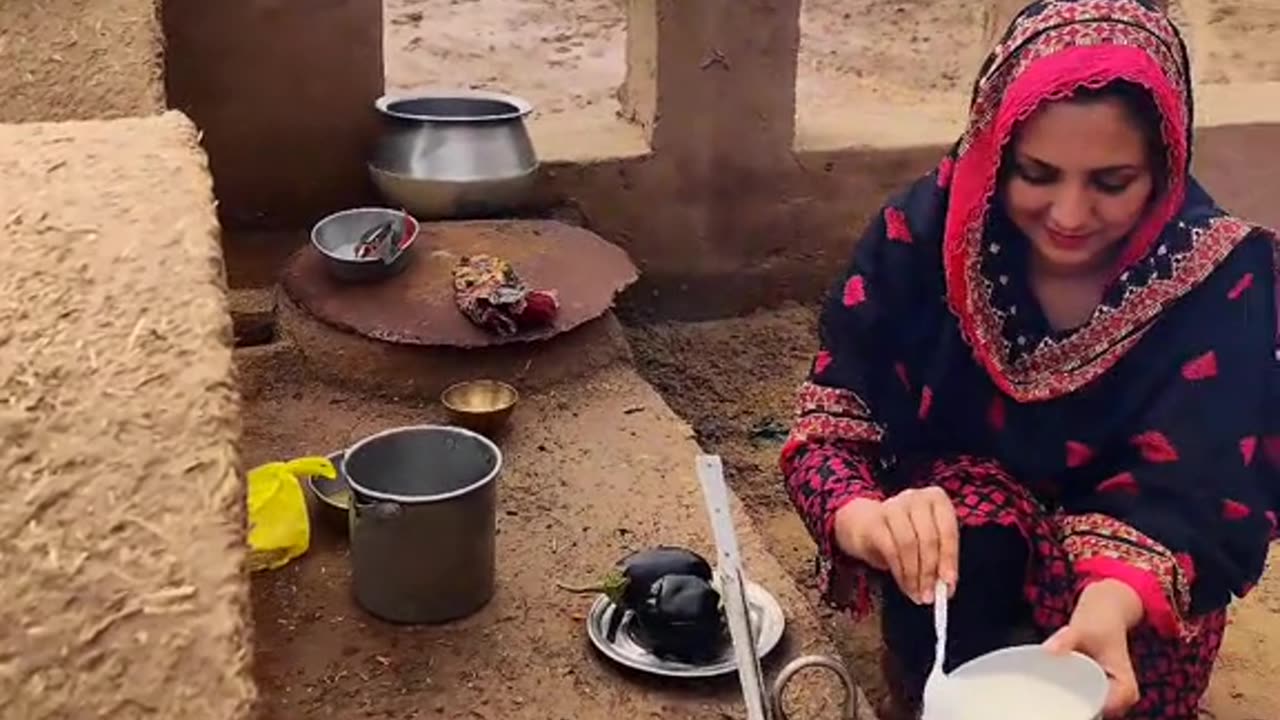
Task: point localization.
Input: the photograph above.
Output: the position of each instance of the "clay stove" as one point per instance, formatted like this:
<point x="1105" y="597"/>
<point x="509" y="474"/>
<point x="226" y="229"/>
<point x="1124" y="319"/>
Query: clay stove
<point x="406" y="337"/>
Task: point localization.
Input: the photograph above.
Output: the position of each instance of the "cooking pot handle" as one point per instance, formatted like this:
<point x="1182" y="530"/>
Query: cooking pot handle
<point x="377" y="510"/>
<point x="819" y="661"/>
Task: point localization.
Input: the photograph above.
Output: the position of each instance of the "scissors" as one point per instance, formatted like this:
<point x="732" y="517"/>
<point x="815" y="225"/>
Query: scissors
<point x="761" y="704"/>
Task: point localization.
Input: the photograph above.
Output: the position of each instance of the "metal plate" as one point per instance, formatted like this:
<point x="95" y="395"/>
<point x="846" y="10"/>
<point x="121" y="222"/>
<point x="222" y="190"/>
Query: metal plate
<point x="767" y="620"/>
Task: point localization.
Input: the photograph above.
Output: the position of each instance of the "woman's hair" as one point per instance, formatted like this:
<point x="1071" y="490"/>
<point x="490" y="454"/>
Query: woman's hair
<point x="1144" y="112"/>
<point x="1142" y="109"/>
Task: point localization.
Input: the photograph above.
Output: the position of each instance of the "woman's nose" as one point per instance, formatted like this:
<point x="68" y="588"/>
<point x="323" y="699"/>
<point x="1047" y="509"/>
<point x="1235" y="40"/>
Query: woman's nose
<point x="1071" y="210"/>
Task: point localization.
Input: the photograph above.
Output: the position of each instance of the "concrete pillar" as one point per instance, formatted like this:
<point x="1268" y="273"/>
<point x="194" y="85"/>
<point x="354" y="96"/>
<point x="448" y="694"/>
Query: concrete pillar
<point x="726" y="76"/>
<point x="638" y="94"/>
<point x="283" y="92"/>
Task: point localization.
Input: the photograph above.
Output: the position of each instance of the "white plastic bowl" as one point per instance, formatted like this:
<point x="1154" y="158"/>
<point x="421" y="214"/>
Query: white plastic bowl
<point x="1077" y="674"/>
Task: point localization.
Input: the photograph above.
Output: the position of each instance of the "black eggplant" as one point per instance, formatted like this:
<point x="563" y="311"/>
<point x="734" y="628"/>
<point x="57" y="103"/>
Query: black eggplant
<point x="628" y="584"/>
<point x="681" y="619"/>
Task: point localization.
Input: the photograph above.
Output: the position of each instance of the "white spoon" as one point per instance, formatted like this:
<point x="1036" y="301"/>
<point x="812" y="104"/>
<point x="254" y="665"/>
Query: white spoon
<point x="934" y="700"/>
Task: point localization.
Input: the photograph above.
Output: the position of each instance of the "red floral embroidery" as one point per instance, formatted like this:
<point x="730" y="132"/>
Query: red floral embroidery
<point x="926" y="401"/>
<point x="1243" y="284"/>
<point x="822" y="362"/>
<point x="1099" y="540"/>
<point x="1122" y="483"/>
<point x="825" y="413"/>
<point x="1271" y="518"/>
<point x="1271" y="449"/>
<point x="896" y="224"/>
<point x="901" y="370"/>
<point x="1233" y="510"/>
<point x="855" y="291"/>
<point x="1078" y="454"/>
<point x="1248" y="446"/>
<point x="995" y="414"/>
<point x="1201" y="368"/>
<point x="1155" y="447"/>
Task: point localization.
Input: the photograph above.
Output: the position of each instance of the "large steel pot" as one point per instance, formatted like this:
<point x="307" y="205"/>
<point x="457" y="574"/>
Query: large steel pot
<point x="463" y="154"/>
<point x="422" y="522"/>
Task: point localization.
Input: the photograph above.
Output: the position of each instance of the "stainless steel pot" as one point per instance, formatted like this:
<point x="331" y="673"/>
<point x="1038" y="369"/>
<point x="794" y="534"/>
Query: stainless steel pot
<point x="422" y="522"/>
<point x="463" y="154"/>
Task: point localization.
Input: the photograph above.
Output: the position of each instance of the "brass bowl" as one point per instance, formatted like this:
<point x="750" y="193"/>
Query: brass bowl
<point x="482" y="406"/>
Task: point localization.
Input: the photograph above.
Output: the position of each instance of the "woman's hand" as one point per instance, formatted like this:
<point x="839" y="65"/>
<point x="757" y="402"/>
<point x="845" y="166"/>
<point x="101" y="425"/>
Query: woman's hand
<point x="1099" y="627"/>
<point x="912" y="535"/>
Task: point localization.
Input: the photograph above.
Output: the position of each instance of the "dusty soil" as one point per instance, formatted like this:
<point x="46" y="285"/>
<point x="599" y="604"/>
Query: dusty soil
<point x="560" y="56"/>
<point x="1233" y="40"/>
<point x="80" y="59"/>
<point x="734" y="380"/>
<point x="570" y="56"/>
<point x="592" y="470"/>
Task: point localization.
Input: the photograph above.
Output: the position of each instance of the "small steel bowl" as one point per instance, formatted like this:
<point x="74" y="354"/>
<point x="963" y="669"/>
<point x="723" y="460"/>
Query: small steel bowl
<point x="482" y="406"/>
<point x="333" y="497"/>
<point x="337" y="236"/>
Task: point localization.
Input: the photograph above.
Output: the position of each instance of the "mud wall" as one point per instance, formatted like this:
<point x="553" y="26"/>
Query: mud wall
<point x="122" y="524"/>
<point x="283" y="93"/>
<point x="79" y="59"/>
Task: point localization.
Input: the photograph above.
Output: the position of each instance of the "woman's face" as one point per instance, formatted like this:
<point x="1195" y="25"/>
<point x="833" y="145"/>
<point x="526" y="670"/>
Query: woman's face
<point x="1080" y="182"/>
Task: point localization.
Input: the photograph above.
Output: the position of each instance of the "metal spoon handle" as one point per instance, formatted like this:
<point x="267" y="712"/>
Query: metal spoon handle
<point x="940" y="625"/>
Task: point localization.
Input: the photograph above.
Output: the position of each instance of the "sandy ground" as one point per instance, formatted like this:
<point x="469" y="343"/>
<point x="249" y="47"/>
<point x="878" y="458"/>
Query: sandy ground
<point x="561" y="56"/>
<point x="80" y="59"/>
<point x="593" y="470"/>
<point x="702" y="368"/>
<point x="570" y="56"/>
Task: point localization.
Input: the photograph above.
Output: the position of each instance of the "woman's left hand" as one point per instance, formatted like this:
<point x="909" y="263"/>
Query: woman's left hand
<point x="1099" y="627"/>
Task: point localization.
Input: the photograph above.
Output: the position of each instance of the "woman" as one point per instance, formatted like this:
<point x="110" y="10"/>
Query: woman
<point x="1045" y="378"/>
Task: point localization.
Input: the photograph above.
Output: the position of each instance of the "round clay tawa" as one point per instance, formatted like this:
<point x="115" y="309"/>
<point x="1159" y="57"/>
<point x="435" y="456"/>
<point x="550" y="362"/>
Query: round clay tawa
<point x="417" y="307"/>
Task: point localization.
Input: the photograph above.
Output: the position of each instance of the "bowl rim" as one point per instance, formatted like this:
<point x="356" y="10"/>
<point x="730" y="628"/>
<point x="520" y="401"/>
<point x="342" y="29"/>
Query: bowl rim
<point x="1099" y="676"/>
<point x="336" y="459"/>
<point x="315" y="242"/>
<point x="522" y="107"/>
<point x="444" y="395"/>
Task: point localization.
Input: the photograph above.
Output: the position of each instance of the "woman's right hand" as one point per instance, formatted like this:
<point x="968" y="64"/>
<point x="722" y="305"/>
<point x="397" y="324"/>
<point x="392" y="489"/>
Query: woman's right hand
<point x="912" y="535"/>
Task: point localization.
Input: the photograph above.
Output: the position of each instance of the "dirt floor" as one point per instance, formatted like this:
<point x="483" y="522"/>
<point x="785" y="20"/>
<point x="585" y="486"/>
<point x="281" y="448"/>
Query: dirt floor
<point x="592" y="470"/>
<point x="570" y="56"/>
<point x="733" y="380"/>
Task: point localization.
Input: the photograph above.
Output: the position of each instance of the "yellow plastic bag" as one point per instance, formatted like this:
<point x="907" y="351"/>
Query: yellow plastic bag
<point x="279" y="528"/>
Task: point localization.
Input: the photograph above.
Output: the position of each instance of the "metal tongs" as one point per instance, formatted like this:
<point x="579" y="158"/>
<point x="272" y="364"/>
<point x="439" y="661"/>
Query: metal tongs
<point x="384" y="241"/>
<point x="761" y="703"/>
